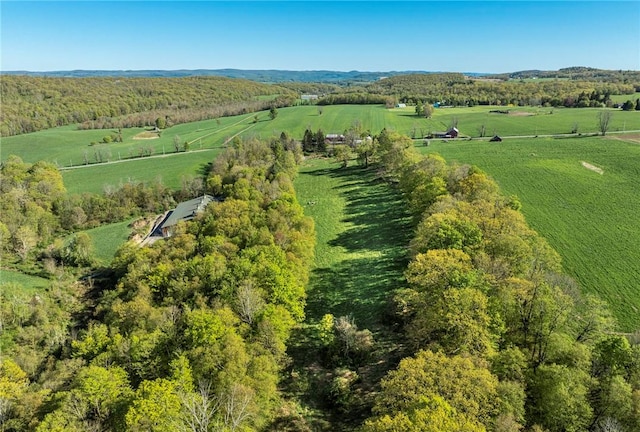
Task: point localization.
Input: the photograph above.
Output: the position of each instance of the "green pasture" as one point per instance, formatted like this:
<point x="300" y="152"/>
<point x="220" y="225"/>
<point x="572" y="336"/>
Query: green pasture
<point x="108" y="238"/>
<point x="520" y="121"/>
<point x="13" y="282"/>
<point x="528" y="121"/>
<point x="68" y="146"/>
<point x="362" y="231"/>
<point x="624" y="98"/>
<point x="170" y="169"/>
<point x="591" y="219"/>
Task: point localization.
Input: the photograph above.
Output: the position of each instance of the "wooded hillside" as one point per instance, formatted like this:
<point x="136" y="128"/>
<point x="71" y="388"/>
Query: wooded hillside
<point x="34" y="103"/>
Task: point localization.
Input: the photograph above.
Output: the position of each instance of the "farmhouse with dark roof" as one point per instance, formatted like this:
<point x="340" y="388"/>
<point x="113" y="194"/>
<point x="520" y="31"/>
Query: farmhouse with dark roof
<point x="185" y="211"/>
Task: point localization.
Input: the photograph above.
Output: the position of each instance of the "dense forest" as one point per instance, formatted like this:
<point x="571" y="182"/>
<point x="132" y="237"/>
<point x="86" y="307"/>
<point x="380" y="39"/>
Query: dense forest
<point x="30" y="104"/>
<point x="189" y="334"/>
<point x="192" y="333"/>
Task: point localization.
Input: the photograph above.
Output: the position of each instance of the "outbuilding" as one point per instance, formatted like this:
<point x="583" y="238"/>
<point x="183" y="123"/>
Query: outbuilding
<point x="451" y="133"/>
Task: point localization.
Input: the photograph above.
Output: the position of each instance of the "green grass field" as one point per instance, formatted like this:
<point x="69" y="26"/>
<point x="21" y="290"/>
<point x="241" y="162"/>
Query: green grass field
<point x="362" y="231"/>
<point x="108" y="238"/>
<point x="170" y="169"/>
<point x="624" y="98"/>
<point x="591" y="219"/>
<point x="67" y="145"/>
<point x="12" y="281"/>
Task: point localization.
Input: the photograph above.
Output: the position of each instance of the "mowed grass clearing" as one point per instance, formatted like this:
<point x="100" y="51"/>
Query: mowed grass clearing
<point x="108" y="238"/>
<point x="16" y="283"/>
<point x="170" y="169"/>
<point x="591" y="219"/>
<point x="68" y="146"/>
<point x="362" y="232"/>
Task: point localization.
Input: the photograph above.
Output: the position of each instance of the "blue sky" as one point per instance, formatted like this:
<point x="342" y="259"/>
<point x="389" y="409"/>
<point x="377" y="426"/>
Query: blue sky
<point x="476" y="36"/>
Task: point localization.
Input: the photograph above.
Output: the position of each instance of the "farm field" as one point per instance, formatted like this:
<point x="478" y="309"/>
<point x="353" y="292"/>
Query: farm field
<point x="591" y="219"/>
<point x="67" y="146"/>
<point x="525" y="121"/>
<point x="561" y="199"/>
<point x="170" y="169"/>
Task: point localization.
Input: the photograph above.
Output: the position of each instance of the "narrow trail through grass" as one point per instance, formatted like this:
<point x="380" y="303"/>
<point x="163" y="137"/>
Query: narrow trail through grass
<point x="362" y="232"/>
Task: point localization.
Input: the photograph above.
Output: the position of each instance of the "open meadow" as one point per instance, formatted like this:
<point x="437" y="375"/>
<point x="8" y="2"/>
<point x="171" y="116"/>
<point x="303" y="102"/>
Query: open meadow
<point x="590" y="218"/>
<point x="170" y="169"/>
<point x="362" y="231"/>
<point x="108" y="238"/>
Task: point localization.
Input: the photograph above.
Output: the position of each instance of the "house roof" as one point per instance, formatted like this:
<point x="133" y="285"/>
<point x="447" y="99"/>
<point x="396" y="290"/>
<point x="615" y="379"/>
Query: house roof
<point x="187" y="210"/>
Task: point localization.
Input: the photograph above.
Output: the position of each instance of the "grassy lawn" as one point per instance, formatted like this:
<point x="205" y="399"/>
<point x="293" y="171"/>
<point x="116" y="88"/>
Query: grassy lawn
<point x="362" y="232"/>
<point x="528" y="120"/>
<point x="590" y="219"/>
<point x="13" y="282"/>
<point x="108" y="238"/>
<point x="170" y="170"/>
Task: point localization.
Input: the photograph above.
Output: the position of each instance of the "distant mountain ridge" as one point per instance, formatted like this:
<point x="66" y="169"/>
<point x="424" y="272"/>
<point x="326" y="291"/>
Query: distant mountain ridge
<point x="259" y="75"/>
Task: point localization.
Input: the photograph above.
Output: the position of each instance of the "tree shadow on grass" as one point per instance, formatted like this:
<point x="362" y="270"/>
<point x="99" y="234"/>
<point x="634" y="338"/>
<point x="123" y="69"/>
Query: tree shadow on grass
<point x="379" y="232"/>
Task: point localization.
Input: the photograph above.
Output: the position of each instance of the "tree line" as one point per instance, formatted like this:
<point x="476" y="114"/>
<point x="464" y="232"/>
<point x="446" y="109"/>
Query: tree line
<point x="502" y="340"/>
<point x="457" y="90"/>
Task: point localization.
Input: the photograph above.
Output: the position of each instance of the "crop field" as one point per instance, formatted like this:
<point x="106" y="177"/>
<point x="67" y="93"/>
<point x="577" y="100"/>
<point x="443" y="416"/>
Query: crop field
<point x="591" y="219"/>
<point x="68" y="146"/>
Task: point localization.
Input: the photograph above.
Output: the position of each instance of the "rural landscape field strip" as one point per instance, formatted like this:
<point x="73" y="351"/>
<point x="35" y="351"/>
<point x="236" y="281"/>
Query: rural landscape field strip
<point x="542" y="172"/>
<point x="170" y="171"/>
<point x="362" y="233"/>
